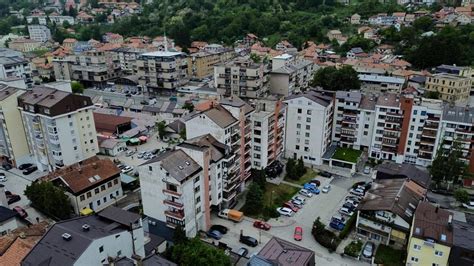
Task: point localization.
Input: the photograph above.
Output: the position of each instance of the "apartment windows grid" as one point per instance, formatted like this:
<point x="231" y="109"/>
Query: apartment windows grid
<point x="417" y="247"/>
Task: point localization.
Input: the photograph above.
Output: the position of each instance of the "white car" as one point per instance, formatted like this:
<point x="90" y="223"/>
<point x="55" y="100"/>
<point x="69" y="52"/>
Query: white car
<point x="285" y="211"/>
<point x="367" y="170"/>
<point x="127" y="169"/>
<point x="306" y="193"/>
<point x="346" y="211"/>
<point x="357" y="192"/>
<point x="353" y="202"/>
<point x="303" y="200"/>
<point x="129" y="153"/>
<point x="297" y="203"/>
<point x="3" y="178"/>
<point x="141" y="154"/>
<point x="326" y="189"/>
<point x="469" y="205"/>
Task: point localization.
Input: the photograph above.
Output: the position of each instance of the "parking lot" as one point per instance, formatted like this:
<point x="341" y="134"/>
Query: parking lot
<point x="324" y="205"/>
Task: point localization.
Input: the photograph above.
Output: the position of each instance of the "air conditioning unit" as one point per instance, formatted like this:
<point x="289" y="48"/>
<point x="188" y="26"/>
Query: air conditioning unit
<point x="66" y="236"/>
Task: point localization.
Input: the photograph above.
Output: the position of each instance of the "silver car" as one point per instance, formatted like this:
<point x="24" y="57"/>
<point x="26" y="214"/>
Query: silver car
<point x="368" y="250"/>
<point x="326" y="189"/>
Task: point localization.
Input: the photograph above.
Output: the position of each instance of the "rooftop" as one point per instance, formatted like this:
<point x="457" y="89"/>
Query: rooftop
<point x="431" y="223"/>
<point x="389" y="100"/>
<point x="162" y="54"/>
<point x="349" y="96"/>
<point x="281" y="252"/>
<point x="7" y="91"/>
<point x="377" y="78"/>
<point x="6" y="214"/>
<point x="220" y="116"/>
<point x="109" y="122"/>
<point x="368" y="102"/>
<point x="207" y="141"/>
<point x="389" y="170"/>
<point x="463" y="235"/>
<point x="323" y="98"/>
<point x="458" y="114"/>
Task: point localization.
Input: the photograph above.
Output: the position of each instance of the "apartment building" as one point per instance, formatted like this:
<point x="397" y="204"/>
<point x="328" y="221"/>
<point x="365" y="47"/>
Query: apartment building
<point x="39" y="33"/>
<point x="378" y="83"/>
<point x="461" y="71"/>
<point x="175" y="191"/>
<point x="59" y="127"/>
<point x="92" y="184"/>
<point x="290" y="75"/>
<point x="309" y="122"/>
<point x="242" y="78"/>
<point x="24" y="45"/>
<point x="385" y="214"/>
<point x="451" y="88"/>
<point x="268" y="132"/>
<point x="14" y="65"/>
<point x="62" y="67"/>
<point x="13" y="144"/>
<point x="128" y="58"/>
<point x="95" y="67"/>
<point x="90" y="240"/>
<point x="43" y="20"/>
<point x="201" y="64"/>
<point x="431" y="236"/>
<point x="162" y="71"/>
<point x="229" y="122"/>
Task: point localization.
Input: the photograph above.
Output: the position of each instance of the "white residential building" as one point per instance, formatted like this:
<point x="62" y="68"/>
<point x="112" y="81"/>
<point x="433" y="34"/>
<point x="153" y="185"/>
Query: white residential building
<point x="377" y="83"/>
<point x="39" y="33"/>
<point x="59" y="125"/>
<point x="309" y="122"/>
<point x="43" y="20"/>
<point x="14" y="65"/>
<point x="290" y="75"/>
<point x="90" y="240"/>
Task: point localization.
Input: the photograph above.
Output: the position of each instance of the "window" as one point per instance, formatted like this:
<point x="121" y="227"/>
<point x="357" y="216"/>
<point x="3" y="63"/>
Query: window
<point x="306" y="134"/>
<point x="306" y="149"/>
<point x="83" y="197"/>
<point x="297" y="147"/>
<point x="366" y="133"/>
<point x="116" y="193"/>
<point x="196" y="190"/>
<point x="366" y="126"/>
<point x="89" y="194"/>
<point x="96" y="191"/>
<point x="75" y="148"/>
<point x="299" y="110"/>
<point x="257" y="148"/>
<point x="105" y="199"/>
<point x="308" y="112"/>
<point x="308" y="127"/>
<point x="298" y="125"/>
<point x="438" y="253"/>
<point x="119" y="253"/>
<point x="414" y="259"/>
<point x="102" y="187"/>
<point x="256" y="156"/>
<point x="198" y="210"/>
<point x="101" y="249"/>
<point x="98" y="203"/>
<point x="197" y="179"/>
<point x="109" y="184"/>
<point x="308" y="119"/>
<point x="417" y="247"/>
<point x="115" y="181"/>
<point x="70" y="124"/>
<point x="150" y="168"/>
<point x="198" y="199"/>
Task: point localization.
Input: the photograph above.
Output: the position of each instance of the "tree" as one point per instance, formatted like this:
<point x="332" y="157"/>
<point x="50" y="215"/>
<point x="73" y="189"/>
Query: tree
<point x="195" y="252"/>
<point x="423" y="24"/>
<point x="77" y="87"/>
<point x="50" y="199"/>
<point x="188" y="106"/>
<point x="447" y="166"/>
<point x="260" y="178"/>
<point x="182" y="133"/>
<point x="161" y="127"/>
<point x="461" y="195"/>
<point x="330" y="78"/>
<point x="179" y="236"/>
<point x="300" y="168"/>
<point x="291" y="169"/>
<point x="254" y="199"/>
<point x="255" y="58"/>
<point x="432" y="94"/>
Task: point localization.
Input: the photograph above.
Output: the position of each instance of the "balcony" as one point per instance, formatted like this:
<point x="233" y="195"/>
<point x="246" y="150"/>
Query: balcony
<point x="395" y="115"/>
<point x="389" y="143"/>
<point x="175" y="214"/>
<point x="349" y="120"/>
<point x="390" y="135"/>
<point x="389" y="149"/>
<point x="425" y="156"/>
<point x="171" y="193"/>
<point x="174" y="204"/>
<point x="395" y="129"/>
<point x="350" y="114"/>
<point x="433" y="126"/>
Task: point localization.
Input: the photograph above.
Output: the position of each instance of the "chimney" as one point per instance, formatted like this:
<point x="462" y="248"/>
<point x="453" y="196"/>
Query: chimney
<point x="3" y="197"/>
<point x="51" y="96"/>
<point x="437" y="208"/>
<point x="95" y="166"/>
<point x="450" y="222"/>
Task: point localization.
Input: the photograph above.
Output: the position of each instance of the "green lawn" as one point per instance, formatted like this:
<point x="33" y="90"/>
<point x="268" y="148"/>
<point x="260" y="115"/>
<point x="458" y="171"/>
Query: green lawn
<point x="347" y="154"/>
<point x="388" y="256"/>
<point x="310" y="174"/>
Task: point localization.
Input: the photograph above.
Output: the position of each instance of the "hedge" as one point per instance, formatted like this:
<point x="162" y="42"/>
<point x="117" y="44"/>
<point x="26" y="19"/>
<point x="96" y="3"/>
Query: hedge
<point x="325" y="237"/>
<point x="348" y="227"/>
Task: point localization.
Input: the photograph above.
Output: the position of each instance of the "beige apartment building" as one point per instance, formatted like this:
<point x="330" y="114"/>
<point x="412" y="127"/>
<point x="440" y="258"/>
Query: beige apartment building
<point x="201" y="64"/>
<point x="242" y="78"/>
<point x="95" y="67"/>
<point x="452" y="88"/>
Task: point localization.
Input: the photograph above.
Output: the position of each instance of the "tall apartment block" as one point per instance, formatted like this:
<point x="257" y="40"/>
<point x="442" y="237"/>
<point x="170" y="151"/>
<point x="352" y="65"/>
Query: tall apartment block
<point x="128" y="57"/>
<point x="95" y="67"/>
<point x="290" y="75"/>
<point x="268" y="132"/>
<point x="14" y="65"/>
<point x="161" y="71"/>
<point x="242" y="78"/>
<point x="309" y="123"/>
<point x="451" y="88"/>
<point x="39" y="33"/>
<point x="59" y="127"/>
<point x="13" y="144"/>
<point x="201" y="64"/>
<point x="229" y="123"/>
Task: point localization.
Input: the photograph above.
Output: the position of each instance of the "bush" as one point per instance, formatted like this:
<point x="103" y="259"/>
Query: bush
<point x="348" y="227"/>
<point x="461" y="195"/>
<point x="388" y="256"/>
<point x="353" y="249"/>
<point x="325" y="237"/>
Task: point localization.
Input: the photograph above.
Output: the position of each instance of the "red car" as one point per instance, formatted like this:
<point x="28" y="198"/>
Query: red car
<point x="262" y="225"/>
<point x="21" y="212"/>
<point x="291" y="206"/>
<point x="298" y="233"/>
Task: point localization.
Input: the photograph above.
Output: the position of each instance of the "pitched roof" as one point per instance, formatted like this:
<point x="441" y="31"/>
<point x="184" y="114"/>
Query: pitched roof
<point x="157" y="260"/>
<point x="431" y="222"/>
<point x="119" y="216"/>
<point x="237" y="102"/>
<point x="220" y="116"/>
<point x="389" y="170"/>
<point x="321" y="97"/>
<point x="108" y="122"/>
<point x="6" y="214"/>
<point x="177" y="163"/>
<point x="217" y="149"/>
<point x="282" y="252"/>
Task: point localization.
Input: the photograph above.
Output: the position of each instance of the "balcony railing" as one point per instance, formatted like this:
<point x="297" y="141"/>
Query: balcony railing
<point x="173" y="204"/>
<point x="171" y="192"/>
<point x="177" y="215"/>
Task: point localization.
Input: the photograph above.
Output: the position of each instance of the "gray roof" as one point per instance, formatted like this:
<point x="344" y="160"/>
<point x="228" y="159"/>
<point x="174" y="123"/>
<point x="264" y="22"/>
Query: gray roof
<point x="292" y="67"/>
<point x="349" y="96"/>
<point x="119" y="216"/>
<point x="418" y="79"/>
<point x="157" y="260"/>
<point x="368" y="102"/>
<point x="235" y="101"/>
<point x="357" y="50"/>
<point x="177" y="163"/>
<point x="177" y="125"/>
<point x="208" y="141"/>
<point x="458" y="114"/>
<point x="6" y="214"/>
<point x="383" y="79"/>
<point x="220" y="116"/>
<point x="394" y="170"/>
<point x="388" y="100"/>
<point x="323" y="98"/>
<point x="463" y="235"/>
<point x="52" y="249"/>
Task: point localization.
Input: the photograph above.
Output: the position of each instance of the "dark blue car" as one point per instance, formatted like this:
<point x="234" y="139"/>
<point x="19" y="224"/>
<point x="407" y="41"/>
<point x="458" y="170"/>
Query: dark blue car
<point x="214" y="234"/>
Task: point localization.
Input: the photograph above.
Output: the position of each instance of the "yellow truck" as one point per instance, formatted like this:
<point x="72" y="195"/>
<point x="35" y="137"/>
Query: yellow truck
<point x="231" y="214"/>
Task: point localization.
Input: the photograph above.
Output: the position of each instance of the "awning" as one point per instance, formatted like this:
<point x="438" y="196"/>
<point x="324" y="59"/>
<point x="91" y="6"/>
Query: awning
<point x="126" y="179"/>
<point x="86" y="211"/>
<point x="143" y="138"/>
<point x="134" y="140"/>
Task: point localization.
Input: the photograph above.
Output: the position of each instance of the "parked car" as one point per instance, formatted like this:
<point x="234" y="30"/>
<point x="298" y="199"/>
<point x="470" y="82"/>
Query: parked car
<point x="311" y="188"/>
<point x="353" y="202"/>
<point x="349" y="206"/>
<point x="262" y="225"/>
<point x="30" y="170"/>
<point x="356" y="192"/>
<point x="214" y="234"/>
<point x="243" y="252"/>
<point x="127" y="169"/>
<point x="469" y="205"/>
<point x="8" y="193"/>
<point x="129" y="153"/>
<point x="306" y="193"/>
<point x="367" y="170"/>
<point x="220" y="228"/>
<point x="20" y="211"/>
<point x="336" y="224"/>
<point x="290" y="206"/>
<point x="326" y="189"/>
<point x="285" y="211"/>
<point x="325" y="174"/>
<point x="346" y="211"/>
<point x="13" y="198"/>
<point x="353" y="198"/>
<point x="248" y="240"/>
<point x="274" y="169"/>
<point x="297" y="203"/>
<point x="24" y="166"/>
<point x="3" y="178"/>
<point x="303" y="200"/>
<point x="368" y="250"/>
<point x="298" y="235"/>
<point x="141" y="154"/>
<point x="316" y="182"/>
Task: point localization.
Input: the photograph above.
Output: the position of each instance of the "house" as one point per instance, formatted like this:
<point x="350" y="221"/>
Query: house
<point x="8" y="220"/>
<point x="108" y="124"/>
<point x="385" y="214"/>
<point x="334" y="34"/>
<point x="392" y="170"/>
<point x="91" y="184"/>
<point x="356" y="52"/>
<point x="174" y="130"/>
<point x="431" y="236"/>
<point x="90" y="240"/>
<point x="462" y="251"/>
<point x="355" y="19"/>
<point x="283" y="253"/>
<point x="111" y="146"/>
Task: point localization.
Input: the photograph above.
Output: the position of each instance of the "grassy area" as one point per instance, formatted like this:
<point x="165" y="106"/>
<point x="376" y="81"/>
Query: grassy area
<point x="347" y="154"/>
<point x="310" y="174"/>
<point x="389" y="257"/>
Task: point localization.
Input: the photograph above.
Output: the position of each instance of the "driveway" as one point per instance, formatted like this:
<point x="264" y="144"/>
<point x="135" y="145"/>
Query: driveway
<point x="322" y="205"/>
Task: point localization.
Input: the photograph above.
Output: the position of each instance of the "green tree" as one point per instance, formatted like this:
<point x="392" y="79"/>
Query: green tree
<point x="161" y="127"/>
<point x="260" y="178"/>
<point x="423" y="24"/>
<point x="330" y="78"/>
<point x="461" y="195"/>
<point x="254" y="199"/>
<point x="300" y="168"/>
<point x="447" y="166"/>
<point x="291" y="169"/>
<point x="77" y="87"/>
<point x="432" y="94"/>
<point x="50" y="199"/>
<point x="195" y="252"/>
<point x="188" y="106"/>
<point x="255" y="58"/>
<point x="182" y="133"/>
<point x="179" y="235"/>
